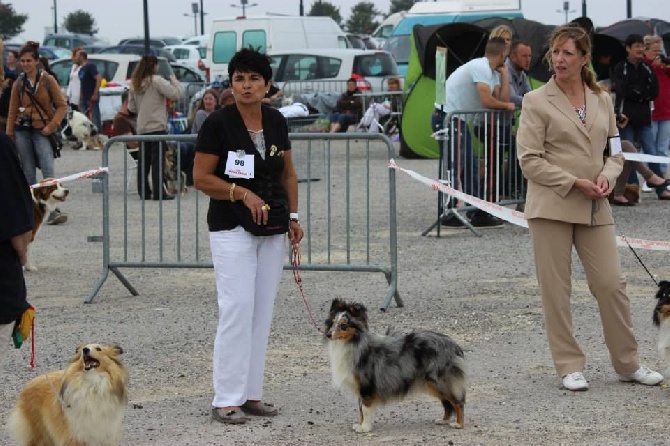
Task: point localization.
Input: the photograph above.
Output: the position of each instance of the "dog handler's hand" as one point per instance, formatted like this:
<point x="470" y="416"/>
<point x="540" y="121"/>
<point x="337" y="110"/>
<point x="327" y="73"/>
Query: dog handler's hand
<point x="257" y="207"/>
<point x="295" y="232"/>
<point x="46" y="131"/>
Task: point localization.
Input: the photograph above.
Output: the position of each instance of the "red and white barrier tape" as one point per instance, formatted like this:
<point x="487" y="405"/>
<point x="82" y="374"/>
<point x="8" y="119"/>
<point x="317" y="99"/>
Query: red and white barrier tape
<point x="512" y="216"/>
<point x="74" y="176"/>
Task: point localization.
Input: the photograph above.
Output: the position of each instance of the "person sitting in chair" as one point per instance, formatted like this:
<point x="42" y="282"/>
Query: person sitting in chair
<point x="349" y="109"/>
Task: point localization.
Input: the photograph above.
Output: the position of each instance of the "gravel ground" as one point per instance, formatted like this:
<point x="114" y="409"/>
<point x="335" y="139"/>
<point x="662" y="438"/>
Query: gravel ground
<point x="481" y="291"/>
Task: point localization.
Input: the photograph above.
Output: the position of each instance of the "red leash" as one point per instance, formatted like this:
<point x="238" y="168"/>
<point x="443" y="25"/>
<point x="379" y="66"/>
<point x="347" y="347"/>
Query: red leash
<point x="295" y="262"/>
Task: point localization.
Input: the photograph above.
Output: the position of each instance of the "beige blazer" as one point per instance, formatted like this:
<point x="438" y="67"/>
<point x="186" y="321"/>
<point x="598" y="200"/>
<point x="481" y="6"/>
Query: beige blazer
<point x="555" y="149"/>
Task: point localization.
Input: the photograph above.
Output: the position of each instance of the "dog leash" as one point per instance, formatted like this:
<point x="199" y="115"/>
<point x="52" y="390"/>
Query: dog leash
<point x="53" y="389"/>
<point x="295" y="262"/>
<point x="639" y="260"/>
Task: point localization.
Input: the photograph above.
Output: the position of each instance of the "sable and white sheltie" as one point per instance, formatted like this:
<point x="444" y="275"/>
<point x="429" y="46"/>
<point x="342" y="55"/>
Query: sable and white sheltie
<point x="661" y="319"/>
<point x="379" y="369"/>
<point x="81" y="405"/>
<point x="45" y="200"/>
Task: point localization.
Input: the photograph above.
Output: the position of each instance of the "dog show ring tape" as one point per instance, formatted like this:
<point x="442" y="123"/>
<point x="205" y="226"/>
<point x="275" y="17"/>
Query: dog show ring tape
<point x="513" y="216"/>
<point x="73" y="177"/>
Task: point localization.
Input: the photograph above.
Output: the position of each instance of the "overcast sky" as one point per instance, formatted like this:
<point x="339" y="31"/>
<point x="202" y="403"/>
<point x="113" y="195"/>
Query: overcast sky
<point x="117" y="19"/>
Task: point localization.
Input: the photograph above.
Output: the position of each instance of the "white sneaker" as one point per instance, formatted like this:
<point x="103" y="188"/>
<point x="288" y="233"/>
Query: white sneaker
<point x="575" y="381"/>
<point x="646" y="188"/>
<point x="643" y="375"/>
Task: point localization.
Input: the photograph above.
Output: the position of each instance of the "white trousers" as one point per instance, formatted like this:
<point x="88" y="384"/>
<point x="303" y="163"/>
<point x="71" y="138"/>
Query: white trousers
<point x="5" y="340"/>
<point x="247" y="270"/>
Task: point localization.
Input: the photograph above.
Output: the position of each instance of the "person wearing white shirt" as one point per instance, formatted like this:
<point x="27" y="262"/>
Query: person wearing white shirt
<point x="74" y="86"/>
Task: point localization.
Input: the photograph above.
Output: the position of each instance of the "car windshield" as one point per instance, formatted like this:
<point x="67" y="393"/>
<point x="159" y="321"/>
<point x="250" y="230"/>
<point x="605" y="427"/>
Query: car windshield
<point x="399" y="47"/>
<point x="375" y="64"/>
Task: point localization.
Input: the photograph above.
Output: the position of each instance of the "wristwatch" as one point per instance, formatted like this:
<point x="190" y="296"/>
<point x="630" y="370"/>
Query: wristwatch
<point x="293" y="216"/>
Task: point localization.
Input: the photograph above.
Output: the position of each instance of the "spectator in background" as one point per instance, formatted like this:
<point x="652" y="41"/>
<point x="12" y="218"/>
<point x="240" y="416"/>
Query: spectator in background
<point x="44" y="64"/>
<point x="348" y="110"/>
<point x="636" y="87"/>
<point x="208" y="104"/>
<point x="505" y="33"/>
<point x="90" y="79"/>
<point x="273" y="96"/>
<point x="660" y="116"/>
<point x="12" y="66"/>
<point x="480" y="83"/>
<point x="16" y="207"/>
<point x="74" y="86"/>
<point x="124" y="124"/>
<point x="4" y="99"/>
<point x="226" y="97"/>
<point x="148" y="95"/>
<point x="36" y="109"/>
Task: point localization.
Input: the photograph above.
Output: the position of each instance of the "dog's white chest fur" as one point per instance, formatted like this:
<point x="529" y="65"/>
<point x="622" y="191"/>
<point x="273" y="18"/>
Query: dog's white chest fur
<point x="664" y="340"/>
<point x="94" y="414"/>
<point x="341" y="365"/>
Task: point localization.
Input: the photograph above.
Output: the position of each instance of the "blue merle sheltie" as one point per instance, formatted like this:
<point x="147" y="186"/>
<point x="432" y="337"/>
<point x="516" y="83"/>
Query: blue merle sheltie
<point x="661" y="319"/>
<point x="379" y="369"/>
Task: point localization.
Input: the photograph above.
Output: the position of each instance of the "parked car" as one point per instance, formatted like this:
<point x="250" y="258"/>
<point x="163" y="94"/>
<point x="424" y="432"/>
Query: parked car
<point x="138" y="50"/>
<point x="361" y="41"/>
<point x="53" y="53"/>
<point x="117" y="68"/>
<point x="199" y="41"/>
<point x="158" y="42"/>
<point x="370" y="68"/>
<point x="69" y="41"/>
<point x="189" y="55"/>
<point x="192" y="81"/>
<point x="95" y="48"/>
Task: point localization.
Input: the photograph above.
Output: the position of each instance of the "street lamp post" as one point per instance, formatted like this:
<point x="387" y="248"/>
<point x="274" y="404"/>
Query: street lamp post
<point x="566" y="10"/>
<point x="244" y="5"/>
<point x="55" y="17"/>
<point x="202" y="17"/>
<point x="194" y="10"/>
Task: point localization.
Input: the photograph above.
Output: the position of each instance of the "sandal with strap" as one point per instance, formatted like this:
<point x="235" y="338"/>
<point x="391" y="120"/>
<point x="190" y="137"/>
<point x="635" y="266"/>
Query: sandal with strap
<point x="260" y="409"/>
<point x="230" y="417"/>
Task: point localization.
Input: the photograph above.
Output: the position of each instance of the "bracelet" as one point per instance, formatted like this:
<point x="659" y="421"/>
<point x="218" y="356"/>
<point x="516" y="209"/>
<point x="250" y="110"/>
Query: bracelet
<point x="232" y="192"/>
<point x="293" y="216"/>
<point x="245" y="196"/>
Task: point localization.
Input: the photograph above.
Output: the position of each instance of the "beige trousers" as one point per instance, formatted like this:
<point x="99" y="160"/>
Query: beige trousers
<point x="597" y="250"/>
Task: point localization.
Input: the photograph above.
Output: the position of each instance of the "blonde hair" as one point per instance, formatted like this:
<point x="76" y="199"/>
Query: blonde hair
<point x="499" y="30"/>
<point x="650" y="40"/>
<point x="582" y="42"/>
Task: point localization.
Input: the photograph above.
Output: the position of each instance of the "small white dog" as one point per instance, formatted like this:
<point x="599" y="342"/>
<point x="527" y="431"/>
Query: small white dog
<point x="84" y="130"/>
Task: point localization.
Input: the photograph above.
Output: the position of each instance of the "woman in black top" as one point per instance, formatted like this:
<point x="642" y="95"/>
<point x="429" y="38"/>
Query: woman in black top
<point x="243" y="162"/>
<point x="16" y="207"/>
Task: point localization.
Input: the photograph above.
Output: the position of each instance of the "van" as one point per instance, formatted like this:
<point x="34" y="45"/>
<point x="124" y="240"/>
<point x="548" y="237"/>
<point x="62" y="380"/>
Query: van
<point x="296" y="70"/>
<point x="385" y="28"/>
<point x="69" y="41"/>
<point x="442" y="13"/>
<point x="268" y="34"/>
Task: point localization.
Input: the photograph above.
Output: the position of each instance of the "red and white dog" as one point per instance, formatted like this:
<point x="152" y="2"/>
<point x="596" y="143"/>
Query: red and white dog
<point x="45" y="200"/>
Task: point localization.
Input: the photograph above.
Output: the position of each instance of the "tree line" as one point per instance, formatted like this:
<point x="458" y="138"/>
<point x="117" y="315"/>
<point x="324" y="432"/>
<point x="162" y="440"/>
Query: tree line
<point x="364" y="18"/>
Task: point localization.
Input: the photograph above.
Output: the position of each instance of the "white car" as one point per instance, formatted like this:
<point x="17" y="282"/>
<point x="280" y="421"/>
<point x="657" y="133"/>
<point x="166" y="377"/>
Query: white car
<point x="189" y="55"/>
<point x="328" y="69"/>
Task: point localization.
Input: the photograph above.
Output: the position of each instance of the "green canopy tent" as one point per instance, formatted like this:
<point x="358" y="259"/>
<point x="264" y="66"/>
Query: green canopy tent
<point x="464" y="42"/>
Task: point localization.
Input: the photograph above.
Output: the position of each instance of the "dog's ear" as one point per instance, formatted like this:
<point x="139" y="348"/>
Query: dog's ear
<point x="338" y="305"/>
<point x="663" y="290"/>
<point x="359" y="312"/>
<point x="115" y="349"/>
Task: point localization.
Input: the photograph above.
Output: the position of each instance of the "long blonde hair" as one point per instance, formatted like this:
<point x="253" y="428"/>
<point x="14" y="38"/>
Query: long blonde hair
<point x="583" y="44"/>
<point x="145" y="69"/>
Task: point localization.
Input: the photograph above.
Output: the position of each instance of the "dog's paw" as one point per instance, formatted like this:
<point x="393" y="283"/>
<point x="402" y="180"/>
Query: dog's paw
<point x="456" y="425"/>
<point x="362" y="428"/>
<point x="441" y="421"/>
<point x="29" y="267"/>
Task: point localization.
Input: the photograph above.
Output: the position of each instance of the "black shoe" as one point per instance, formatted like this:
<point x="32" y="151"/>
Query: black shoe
<point x="165" y="197"/>
<point x="452" y="222"/>
<point x="147" y="194"/>
<point x="481" y="219"/>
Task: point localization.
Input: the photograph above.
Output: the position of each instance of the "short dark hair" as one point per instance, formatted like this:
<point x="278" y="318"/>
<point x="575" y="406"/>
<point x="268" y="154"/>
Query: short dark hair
<point x="83" y="54"/>
<point x="632" y="39"/>
<point x="249" y="60"/>
<point x="516" y="44"/>
<point x="352" y="79"/>
<point x="495" y="46"/>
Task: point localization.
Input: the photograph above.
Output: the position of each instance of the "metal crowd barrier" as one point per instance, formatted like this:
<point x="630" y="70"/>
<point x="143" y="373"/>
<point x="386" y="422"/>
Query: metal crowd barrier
<point x="298" y="87"/>
<point x="478" y="157"/>
<point x="347" y="199"/>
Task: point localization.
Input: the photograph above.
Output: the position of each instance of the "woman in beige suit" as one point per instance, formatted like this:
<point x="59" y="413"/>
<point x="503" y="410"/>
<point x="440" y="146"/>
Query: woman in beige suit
<point x="565" y="127"/>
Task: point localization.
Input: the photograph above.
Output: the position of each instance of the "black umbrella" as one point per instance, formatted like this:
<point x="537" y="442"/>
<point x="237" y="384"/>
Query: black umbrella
<point x="607" y="52"/>
<point x="464" y="42"/>
<point x="642" y="26"/>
